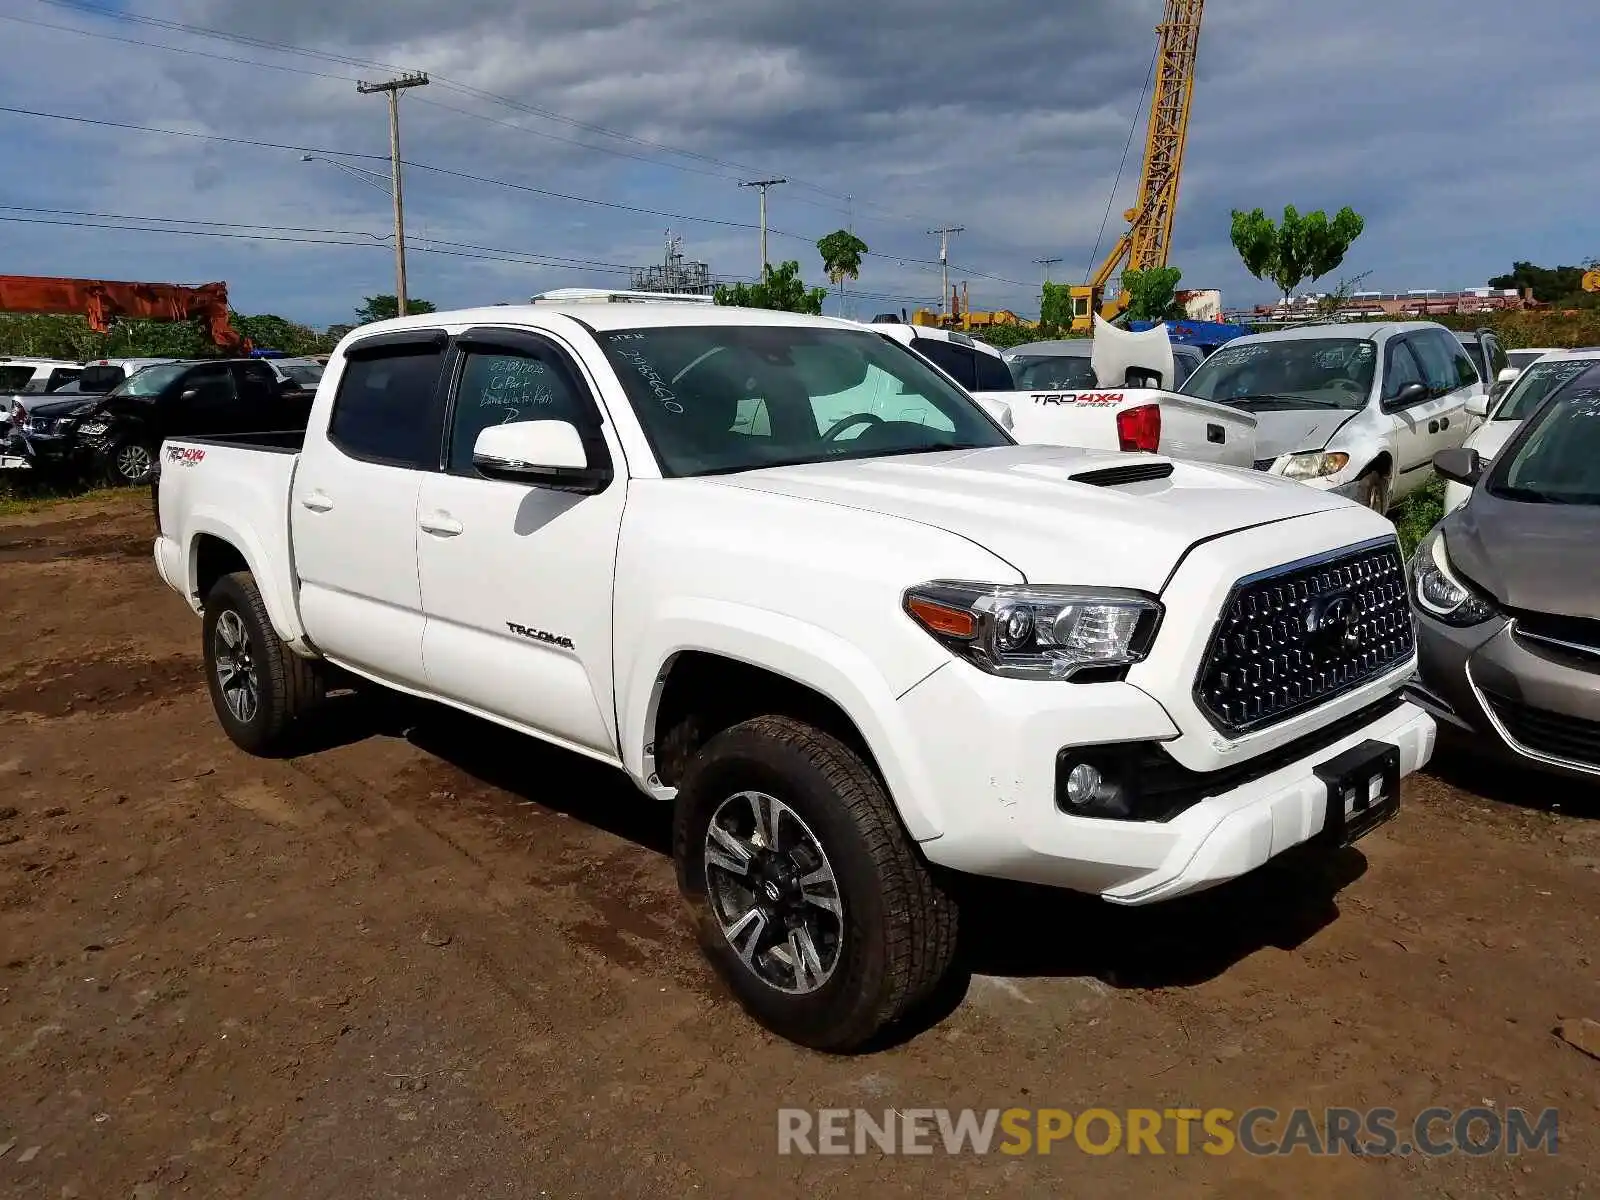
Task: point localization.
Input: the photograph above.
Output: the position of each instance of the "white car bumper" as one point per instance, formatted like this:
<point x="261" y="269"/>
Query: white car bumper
<point x="997" y="788"/>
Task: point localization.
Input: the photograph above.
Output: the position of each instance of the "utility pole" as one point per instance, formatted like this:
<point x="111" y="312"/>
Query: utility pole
<point x="944" y="261"/>
<point x="393" y="87"/>
<point x="763" y="184"/>
<point x="1046" y="263"/>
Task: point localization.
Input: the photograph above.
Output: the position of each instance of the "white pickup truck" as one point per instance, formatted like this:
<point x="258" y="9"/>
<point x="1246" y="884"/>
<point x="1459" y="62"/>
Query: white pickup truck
<point x="861" y="656"/>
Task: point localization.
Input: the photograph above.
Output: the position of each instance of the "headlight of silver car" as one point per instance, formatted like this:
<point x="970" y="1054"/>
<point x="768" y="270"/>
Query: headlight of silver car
<point x="1315" y="464"/>
<point x="1028" y="631"/>
<point x="1442" y="594"/>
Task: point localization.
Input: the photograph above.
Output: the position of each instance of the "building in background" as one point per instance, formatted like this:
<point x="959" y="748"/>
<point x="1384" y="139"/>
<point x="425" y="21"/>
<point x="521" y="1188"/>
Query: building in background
<point x="674" y="274"/>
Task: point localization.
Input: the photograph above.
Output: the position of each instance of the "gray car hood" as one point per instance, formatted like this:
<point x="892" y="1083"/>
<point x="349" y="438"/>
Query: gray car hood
<point x="1288" y="431"/>
<point x="1534" y="557"/>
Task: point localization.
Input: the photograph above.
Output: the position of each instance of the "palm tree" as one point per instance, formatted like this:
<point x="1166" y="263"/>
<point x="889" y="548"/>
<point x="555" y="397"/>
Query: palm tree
<point x="842" y="252"/>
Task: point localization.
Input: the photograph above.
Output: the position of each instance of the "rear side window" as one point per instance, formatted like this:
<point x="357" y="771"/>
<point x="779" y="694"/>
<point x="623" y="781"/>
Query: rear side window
<point x="388" y="408"/>
<point x="15" y="379"/>
<point x="992" y="373"/>
<point x="1498" y="360"/>
<point x="955" y="361"/>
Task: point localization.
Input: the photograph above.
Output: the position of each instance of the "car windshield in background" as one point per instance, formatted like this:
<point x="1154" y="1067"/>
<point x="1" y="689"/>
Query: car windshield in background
<point x="1523" y="358"/>
<point x="307" y="375"/>
<point x="1535" y="384"/>
<point x="1559" y="460"/>
<point x="1055" y="373"/>
<point x="721" y="398"/>
<point x="150" y="380"/>
<point x="1292" y="373"/>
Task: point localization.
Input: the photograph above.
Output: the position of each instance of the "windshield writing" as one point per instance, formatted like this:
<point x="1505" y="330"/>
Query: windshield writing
<point x="1559" y="461"/>
<point x="1534" y="385"/>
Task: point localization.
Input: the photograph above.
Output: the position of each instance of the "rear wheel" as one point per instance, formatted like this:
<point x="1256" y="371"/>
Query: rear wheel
<point x="260" y="688"/>
<point x="809" y="898"/>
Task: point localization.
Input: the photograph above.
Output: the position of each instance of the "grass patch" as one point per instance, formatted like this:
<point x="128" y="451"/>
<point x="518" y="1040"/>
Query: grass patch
<point x="1418" y="513"/>
<point x="17" y="499"/>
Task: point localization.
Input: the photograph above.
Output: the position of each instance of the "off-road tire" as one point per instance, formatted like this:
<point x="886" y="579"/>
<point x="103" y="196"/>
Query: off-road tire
<point x="900" y="924"/>
<point x="288" y="686"/>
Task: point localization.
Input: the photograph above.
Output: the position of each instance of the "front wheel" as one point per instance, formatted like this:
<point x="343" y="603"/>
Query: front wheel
<point x="808" y="896"/>
<point x="130" y="463"/>
<point x="1372" y="490"/>
<point x="260" y="689"/>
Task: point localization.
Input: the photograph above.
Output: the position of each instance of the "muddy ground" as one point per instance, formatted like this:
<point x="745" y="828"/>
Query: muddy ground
<point x="433" y="960"/>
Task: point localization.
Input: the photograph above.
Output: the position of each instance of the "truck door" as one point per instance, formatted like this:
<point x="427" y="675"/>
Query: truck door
<point x="517" y="579"/>
<point x="353" y="505"/>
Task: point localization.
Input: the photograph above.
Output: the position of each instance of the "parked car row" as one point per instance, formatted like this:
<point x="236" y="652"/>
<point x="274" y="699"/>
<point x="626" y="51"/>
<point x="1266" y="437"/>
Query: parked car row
<point x="80" y="432"/>
<point x="1507" y="585"/>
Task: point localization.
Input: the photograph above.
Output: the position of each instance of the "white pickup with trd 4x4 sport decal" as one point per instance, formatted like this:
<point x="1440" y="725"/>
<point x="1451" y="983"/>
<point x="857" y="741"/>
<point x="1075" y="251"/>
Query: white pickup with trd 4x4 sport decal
<point x="863" y="651"/>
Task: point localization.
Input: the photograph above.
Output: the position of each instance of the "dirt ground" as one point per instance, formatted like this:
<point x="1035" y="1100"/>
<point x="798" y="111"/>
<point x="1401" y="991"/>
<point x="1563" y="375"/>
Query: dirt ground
<point x="434" y="960"/>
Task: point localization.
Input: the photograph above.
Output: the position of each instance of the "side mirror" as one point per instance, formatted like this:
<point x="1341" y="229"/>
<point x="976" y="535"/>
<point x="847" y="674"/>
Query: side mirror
<point x="1459" y="466"/>
<point x="1508" y="375"/>
<point x="542" y="453"/>
<point x="188" y="394"/>
<point x="1412" y="393"/>
<point x="1478" y="403"/>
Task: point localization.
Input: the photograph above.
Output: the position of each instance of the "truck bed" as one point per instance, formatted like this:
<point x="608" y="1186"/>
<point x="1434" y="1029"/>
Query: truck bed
<point x="236" y="488"/>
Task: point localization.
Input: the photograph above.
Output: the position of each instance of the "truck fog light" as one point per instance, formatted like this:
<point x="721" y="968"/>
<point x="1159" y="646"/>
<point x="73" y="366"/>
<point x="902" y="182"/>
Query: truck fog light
<point x="1084" y="784"/>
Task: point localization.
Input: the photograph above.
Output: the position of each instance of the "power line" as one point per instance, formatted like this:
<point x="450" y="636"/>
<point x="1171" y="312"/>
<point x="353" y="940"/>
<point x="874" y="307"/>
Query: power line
<point x="1133" y="127"/>
<point x="443" y="81"/>
<point x="286" y="48"/>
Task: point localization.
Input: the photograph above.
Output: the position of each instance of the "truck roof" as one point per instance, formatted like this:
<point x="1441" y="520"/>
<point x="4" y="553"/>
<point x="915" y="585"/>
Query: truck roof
<point x="654" y="314"/>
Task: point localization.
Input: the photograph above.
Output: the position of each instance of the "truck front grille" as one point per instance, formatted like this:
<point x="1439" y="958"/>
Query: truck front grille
<point x="1299" y="635"/>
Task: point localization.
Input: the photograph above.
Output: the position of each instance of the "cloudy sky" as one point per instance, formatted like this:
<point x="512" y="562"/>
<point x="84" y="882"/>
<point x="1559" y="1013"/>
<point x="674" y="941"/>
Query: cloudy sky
<point x="1463" y="132"/>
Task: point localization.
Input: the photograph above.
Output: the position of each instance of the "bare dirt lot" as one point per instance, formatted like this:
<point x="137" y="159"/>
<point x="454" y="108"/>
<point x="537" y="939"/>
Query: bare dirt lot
<point x="434" y="960"/>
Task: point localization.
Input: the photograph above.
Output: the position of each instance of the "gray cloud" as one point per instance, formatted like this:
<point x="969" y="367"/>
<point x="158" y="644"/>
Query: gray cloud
<point x="1009" y="120"/>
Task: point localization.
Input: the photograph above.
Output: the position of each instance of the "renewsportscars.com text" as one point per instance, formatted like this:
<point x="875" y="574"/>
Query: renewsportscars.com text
<point x="1373" y="1132"/>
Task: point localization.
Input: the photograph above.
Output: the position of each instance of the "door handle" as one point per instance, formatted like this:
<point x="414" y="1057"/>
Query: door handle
<point x="440" y="525"/>
<point x="317" y="501"/>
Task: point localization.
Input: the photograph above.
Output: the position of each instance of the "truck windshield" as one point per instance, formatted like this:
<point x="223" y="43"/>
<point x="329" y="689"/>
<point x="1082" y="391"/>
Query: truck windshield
<point x="1055" y="373"/>
<point x="1534" y="384"/>
<point x="723" y="398"/>
<point x="1292" y="373"/>
<point x="1559" y="461"/>
<point x="150" y="380"/>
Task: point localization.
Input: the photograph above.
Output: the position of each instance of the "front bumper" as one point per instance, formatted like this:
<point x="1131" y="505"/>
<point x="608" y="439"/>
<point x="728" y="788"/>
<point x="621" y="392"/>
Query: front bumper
<point x="997" y="783"/>
<point x="1521" y="700"/>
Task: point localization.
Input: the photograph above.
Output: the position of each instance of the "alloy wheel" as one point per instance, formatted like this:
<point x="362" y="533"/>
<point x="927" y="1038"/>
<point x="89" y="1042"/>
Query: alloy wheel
<point x="236" y="668"/>
<point x="773" y="892"/>
<point x="133" y="462"/>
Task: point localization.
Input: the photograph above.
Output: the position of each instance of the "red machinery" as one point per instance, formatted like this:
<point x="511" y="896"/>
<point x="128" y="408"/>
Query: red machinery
<point x="101" y="300"/>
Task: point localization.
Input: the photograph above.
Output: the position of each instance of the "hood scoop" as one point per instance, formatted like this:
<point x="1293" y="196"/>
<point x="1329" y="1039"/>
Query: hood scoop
<point x="1139" y="472"/>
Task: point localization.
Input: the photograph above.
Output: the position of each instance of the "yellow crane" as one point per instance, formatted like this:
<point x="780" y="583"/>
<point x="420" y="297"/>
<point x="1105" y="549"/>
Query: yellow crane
<point x="1149" y="234"/>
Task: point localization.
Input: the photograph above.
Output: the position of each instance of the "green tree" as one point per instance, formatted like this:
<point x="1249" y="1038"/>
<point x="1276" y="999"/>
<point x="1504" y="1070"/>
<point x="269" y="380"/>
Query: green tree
<point x="1055" y="306"/>
<point x="1153" y="294"/>
<point x="270" y="332"/>
<point x="842" y="252"/>
<point x="1298" y="249"/>
<point x="1552" y="285"/>
<point x="781" y="288"/>
<point x="381" y="308"/>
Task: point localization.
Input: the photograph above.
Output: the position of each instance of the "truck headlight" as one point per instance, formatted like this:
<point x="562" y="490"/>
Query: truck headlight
<point x="1315" y="464"/>
<point x="1029" y="631"/>
<point x="1439" y="592"/>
